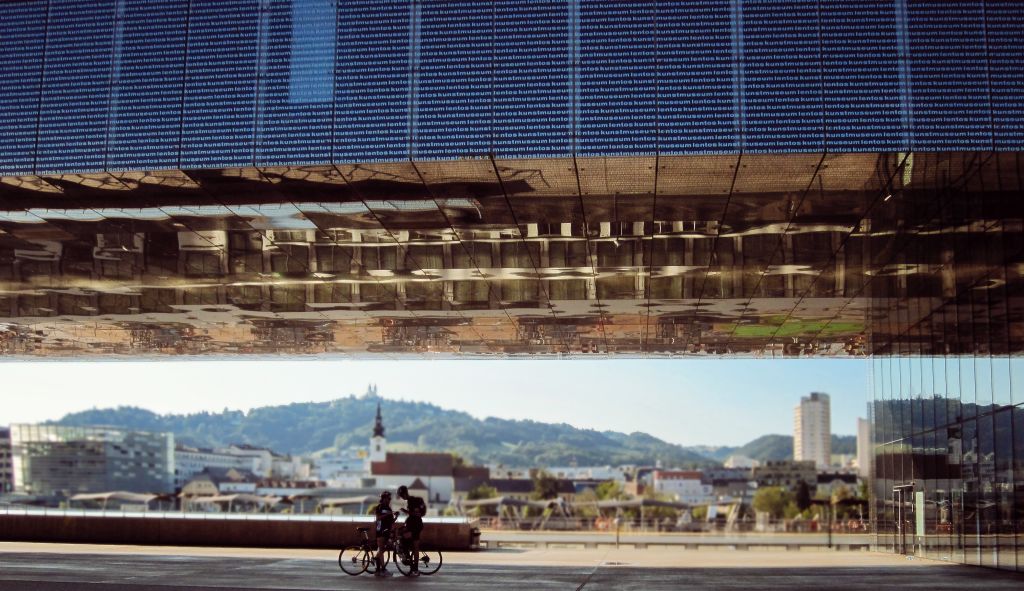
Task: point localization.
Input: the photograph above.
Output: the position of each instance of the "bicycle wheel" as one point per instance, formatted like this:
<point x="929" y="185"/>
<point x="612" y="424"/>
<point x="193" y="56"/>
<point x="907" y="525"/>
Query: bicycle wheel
<point x="403" y="562"/>
<point x="371" y="566"/>
<point x="354" y="560"/>
<point x="430" y="561"/>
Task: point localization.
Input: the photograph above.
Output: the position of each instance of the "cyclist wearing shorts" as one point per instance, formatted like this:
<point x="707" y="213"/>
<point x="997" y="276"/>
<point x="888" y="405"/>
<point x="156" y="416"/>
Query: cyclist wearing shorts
<point x="384" y="520"/>
<point x="416" y="509"/>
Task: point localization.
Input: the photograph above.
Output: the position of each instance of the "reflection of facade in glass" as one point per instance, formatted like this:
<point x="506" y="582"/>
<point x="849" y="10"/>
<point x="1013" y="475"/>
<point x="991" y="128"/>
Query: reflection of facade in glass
<point x="563" y="178"/>
<point x="947" y="326"/>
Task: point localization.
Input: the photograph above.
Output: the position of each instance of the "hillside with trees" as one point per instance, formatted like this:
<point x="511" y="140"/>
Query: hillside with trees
<point x="307" y="427"/>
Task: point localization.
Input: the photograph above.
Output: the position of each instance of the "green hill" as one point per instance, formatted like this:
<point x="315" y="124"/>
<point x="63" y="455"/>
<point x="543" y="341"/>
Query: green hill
<point x="303" y="428"/>
<point x="779" y="447"/>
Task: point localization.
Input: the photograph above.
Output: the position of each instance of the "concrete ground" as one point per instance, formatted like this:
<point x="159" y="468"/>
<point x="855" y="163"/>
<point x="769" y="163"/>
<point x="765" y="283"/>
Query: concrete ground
<point x="57" y="567"/>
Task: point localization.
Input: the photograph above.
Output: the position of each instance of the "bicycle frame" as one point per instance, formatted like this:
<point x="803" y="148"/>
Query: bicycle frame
<point x="395" y="546"/>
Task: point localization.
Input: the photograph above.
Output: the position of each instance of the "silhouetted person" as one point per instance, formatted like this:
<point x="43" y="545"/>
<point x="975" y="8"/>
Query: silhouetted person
<point x="384" y="520"/>
<point x="416" y="509"/>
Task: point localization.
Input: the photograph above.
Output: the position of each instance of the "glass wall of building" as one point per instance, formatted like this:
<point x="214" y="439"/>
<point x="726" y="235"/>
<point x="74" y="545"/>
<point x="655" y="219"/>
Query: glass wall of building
<point x="947" y="376"/>
<point x="57" y="460"/>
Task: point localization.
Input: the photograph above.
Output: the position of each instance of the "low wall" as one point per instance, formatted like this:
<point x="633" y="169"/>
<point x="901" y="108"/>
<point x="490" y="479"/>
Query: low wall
<point x="639" y="540"/>
<point x="189" y="529"/>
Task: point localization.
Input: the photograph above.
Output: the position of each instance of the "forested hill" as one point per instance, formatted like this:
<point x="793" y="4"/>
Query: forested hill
<point x="778" y="447"/>
<point x="307" y="427"/>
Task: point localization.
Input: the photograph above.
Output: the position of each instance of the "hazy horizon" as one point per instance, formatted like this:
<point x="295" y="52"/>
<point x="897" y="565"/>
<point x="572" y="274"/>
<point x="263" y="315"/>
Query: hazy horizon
<point x="720" y="402"/>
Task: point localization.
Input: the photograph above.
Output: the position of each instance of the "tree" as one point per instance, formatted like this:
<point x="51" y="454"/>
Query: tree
<point x="586" y="504"/>
<point x="840" y="494"/>
<point x="481" y="491"/>
<point x="842" y="510"/>
<point x="545" y="486"/>
<point x="803" y="496"/>
<point x="660" y="512"/>
<point x="610" y="490"/>
<point x="772" y="500"/>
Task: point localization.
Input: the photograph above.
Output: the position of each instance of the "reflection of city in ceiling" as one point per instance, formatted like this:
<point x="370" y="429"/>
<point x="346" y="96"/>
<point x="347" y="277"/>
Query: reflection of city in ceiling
<point x="751" y="255"/>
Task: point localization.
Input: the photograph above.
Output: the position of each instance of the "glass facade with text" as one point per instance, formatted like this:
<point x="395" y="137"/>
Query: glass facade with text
<point x="92" y="85"/>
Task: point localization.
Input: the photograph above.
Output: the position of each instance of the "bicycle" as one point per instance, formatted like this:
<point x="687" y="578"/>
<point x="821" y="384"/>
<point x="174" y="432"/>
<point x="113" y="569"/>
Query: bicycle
<point x="429" y="561"/>
<point x="360" y="558"/>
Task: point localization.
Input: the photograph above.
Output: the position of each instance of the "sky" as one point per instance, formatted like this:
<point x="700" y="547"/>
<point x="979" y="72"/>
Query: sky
<point x="689" y="402"/>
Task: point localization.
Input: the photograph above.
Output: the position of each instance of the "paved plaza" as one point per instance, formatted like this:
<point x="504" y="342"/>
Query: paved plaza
<point x="55" y="567"/>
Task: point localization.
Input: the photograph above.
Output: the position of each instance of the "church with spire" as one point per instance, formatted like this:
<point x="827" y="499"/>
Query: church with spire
<point x="430" y="475"/>
<point x="378" y="442"/>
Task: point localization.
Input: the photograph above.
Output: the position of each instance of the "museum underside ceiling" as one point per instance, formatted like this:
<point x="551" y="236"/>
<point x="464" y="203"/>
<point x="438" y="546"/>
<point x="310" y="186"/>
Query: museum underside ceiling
<point x="773" y="255"/>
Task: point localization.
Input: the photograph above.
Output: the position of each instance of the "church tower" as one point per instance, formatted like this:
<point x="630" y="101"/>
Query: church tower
<point x="378" y="443"/>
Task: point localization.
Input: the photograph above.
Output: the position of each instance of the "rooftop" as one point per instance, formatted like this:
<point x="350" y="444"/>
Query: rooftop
<point x="414" y="464"/>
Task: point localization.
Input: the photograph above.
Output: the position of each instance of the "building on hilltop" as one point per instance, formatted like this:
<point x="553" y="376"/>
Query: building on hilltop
<point x="812" y="430"/>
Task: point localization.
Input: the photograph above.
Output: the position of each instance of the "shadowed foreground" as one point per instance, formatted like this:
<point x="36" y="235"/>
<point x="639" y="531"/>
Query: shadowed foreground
<point x="56" y="570"/>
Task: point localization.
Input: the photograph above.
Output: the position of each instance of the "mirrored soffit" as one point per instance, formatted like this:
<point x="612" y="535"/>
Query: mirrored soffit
<point x="744" y="255"/>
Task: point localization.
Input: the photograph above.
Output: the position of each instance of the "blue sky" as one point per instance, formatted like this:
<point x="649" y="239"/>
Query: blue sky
<point x="715" y="402"/>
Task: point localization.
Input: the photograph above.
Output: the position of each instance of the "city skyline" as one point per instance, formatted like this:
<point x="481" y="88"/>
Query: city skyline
<point x="686" y="402"/>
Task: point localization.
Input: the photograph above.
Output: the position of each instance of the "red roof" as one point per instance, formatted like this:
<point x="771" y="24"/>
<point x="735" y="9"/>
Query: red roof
<point x="477" y="472"/>
<point x="414" y="464"/>
<point x="678" y="475"/>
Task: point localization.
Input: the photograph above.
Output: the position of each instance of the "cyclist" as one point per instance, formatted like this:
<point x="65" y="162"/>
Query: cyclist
<point x="384" y="520"/>
<point x="416" y="509"/>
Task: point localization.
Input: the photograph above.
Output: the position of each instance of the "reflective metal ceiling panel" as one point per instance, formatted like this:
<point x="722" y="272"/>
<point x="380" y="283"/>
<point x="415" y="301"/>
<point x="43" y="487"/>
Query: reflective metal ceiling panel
<point x="743" y="255"/>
